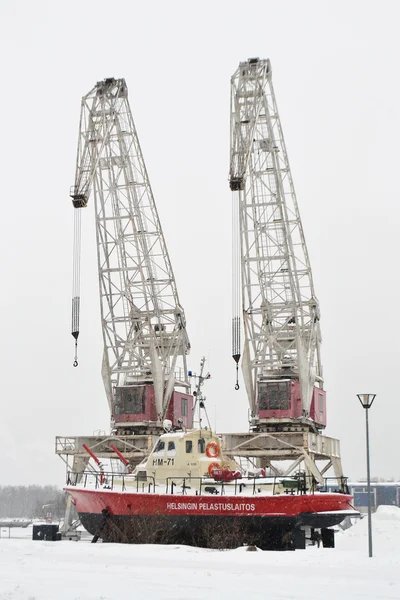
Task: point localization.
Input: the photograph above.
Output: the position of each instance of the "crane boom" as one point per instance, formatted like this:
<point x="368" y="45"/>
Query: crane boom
<point x="273" y="285"/>
<point x="143" y="322"/>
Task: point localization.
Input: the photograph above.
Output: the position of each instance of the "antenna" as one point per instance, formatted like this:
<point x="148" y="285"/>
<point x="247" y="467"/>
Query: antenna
<point x="198" y="395"/>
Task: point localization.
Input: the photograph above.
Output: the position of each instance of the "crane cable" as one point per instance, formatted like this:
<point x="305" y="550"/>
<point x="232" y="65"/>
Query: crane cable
<point x="236" y="283"/>
<point x="76" y="271"/>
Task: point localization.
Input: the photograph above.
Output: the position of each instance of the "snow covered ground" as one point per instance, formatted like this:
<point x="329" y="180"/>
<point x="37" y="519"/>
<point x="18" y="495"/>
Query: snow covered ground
<point x="81" y="571"/>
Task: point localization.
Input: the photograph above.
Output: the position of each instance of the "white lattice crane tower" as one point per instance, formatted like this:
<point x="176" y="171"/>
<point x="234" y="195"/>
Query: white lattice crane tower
<point x="143" y="323"/>
<point x="273" y="286"/>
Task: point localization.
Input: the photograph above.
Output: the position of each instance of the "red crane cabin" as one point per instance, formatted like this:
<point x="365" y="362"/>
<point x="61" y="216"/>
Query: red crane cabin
<point x="136" y="404"/>
<point x="281" y="399"/>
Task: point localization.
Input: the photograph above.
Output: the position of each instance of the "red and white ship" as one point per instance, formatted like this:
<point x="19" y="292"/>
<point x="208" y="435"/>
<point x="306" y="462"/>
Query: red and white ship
<point x="187" y="492"/>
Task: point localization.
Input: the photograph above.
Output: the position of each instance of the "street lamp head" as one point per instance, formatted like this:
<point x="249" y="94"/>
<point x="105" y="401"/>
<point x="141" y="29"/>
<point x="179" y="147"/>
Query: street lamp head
<point x="366" y="399"/>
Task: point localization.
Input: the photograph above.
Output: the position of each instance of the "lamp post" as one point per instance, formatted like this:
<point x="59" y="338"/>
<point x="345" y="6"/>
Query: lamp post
<point x="366" y="402"/>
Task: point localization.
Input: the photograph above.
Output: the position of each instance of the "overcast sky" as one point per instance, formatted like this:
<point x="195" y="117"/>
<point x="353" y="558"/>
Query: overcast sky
<point x="336" y="76"/>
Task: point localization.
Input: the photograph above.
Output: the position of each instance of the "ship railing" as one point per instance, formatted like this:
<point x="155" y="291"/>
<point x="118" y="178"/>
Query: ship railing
<point x="291" y="485"/>
<point x="297" y="484"/>
<point x="335" y="484"/>
<point x="300" y="483"/>
<point x="209" y="486"/>
<point x="112" y="481"/>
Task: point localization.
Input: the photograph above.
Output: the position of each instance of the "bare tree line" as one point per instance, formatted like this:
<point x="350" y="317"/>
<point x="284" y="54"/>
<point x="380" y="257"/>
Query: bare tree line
<point x="32" y="502"/>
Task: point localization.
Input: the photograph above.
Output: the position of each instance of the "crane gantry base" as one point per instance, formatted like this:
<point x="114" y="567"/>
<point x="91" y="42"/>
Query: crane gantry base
<point x="133" y="447"/>
<point x="285" y="451"/>
<point x="76" y="458"/>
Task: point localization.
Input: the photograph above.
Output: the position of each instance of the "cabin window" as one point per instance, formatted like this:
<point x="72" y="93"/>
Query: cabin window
<point x="130" y="400"/>
<point x="189" y="446"/>
<point x="160" y="446"/>
<point x="321" y="402"/>
<point x="262" y="396"/>
<point x="171" y="446"/>
<point x="274" y="395"/>
<point x="201" y="445"/>
<point x="184" y="407"/>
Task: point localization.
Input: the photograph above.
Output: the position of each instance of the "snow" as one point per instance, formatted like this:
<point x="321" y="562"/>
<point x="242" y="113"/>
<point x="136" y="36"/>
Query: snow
<point x="32" y="570"/>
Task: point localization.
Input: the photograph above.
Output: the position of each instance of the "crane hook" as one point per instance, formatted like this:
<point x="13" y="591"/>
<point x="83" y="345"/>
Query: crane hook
<point x="75" y="363"/>
<point x="237" y="376"/>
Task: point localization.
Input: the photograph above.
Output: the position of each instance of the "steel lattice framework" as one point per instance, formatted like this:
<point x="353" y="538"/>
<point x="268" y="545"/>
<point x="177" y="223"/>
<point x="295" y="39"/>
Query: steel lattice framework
<point x="278" y="303"/>
<point x="144" y="330"/>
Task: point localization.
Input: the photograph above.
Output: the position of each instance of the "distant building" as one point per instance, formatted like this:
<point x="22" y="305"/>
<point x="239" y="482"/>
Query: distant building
<point x="386" y="492"/>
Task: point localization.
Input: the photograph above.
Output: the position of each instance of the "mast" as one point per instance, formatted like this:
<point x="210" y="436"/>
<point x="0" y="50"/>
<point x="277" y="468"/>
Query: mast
<point x="143" y="322"/>
<point x="273" y="284"/>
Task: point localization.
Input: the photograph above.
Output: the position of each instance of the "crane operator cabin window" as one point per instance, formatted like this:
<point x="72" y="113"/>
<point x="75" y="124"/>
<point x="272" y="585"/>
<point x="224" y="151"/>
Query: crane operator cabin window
<point x="274" y="395"/>
<point x="130" y="401"/>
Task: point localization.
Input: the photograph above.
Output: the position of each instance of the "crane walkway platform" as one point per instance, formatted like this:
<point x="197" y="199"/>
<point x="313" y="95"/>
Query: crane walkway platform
<point x="263" y="447"/>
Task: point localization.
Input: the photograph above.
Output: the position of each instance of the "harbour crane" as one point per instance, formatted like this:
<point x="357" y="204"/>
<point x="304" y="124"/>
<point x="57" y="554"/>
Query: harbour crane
<point x="144" y="329"/>
<point x="274" y="301"/>
<point x="143" y="323"/>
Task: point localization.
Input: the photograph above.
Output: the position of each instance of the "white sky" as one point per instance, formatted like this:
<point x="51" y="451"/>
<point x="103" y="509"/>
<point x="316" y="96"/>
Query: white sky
<point x="335" y="72"/>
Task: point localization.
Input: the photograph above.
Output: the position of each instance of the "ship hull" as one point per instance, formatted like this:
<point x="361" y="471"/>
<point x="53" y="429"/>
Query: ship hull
<point x="206" y="521"/>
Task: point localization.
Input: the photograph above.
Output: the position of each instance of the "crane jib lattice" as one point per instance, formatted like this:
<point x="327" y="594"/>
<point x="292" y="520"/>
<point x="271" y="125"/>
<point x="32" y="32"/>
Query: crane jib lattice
<point x="143" y="322"/>
<point x="273" y="294"/>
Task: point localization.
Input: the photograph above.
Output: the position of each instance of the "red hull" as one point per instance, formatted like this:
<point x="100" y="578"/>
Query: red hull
<point x="126" y="504"/>
<point x="209" y="521"/>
